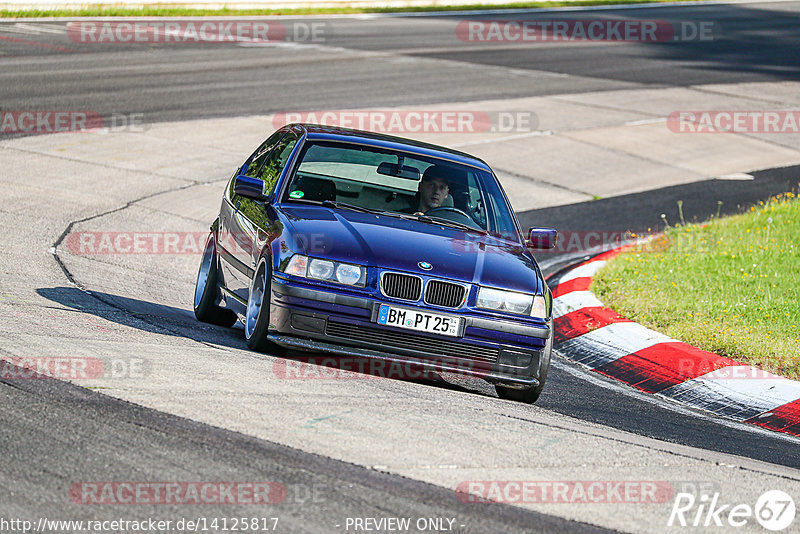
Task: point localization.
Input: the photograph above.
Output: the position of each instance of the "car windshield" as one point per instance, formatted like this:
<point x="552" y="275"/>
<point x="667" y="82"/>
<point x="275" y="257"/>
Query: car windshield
<point x="351" y="176"/>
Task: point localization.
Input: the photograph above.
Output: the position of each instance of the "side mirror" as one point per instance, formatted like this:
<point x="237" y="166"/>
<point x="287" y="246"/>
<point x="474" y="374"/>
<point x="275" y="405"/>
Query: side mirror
<point x="249" y="187"/>
<point x="542" y="238"/>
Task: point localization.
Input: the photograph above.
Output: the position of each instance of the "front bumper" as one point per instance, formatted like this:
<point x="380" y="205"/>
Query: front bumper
<point x="312" y="319"/>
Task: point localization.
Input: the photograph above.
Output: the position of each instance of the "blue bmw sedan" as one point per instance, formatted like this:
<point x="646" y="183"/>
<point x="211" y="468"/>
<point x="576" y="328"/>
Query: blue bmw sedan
<point x="359" y="244"/>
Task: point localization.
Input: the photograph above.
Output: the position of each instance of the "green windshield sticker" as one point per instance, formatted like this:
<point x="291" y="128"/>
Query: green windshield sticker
<point x="296" y="194"/>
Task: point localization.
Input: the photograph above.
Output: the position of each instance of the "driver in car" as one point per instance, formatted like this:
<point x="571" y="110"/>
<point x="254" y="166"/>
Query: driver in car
<point x="433" y="189"/>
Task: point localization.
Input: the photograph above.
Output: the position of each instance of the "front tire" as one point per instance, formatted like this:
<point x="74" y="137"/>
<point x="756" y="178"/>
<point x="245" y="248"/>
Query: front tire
<point x="205" y="289"/>
<point x="530" y="395"/>
<point x="256" y="323"/>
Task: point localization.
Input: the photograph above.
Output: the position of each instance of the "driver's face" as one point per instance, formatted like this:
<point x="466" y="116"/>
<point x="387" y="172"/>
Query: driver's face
<point x="432" y="193"/>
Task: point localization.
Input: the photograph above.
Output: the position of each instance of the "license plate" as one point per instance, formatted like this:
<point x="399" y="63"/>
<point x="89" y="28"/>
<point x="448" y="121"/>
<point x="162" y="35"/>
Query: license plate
<point x="418" y="320"/>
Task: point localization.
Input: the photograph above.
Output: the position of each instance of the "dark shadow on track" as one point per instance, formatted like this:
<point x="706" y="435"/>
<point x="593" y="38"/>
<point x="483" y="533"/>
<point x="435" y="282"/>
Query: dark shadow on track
<point x="567" y="394"/>
<point x="706" y="44"/>
<point x="143" y="315"/>
<point x="163" y="319"/>
<point x="639" y="212"/>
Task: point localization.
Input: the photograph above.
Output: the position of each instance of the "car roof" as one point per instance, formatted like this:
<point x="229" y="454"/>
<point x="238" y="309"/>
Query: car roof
<point x="317" y="132"/>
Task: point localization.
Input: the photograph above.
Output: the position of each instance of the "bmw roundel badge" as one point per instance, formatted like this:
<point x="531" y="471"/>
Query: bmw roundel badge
<point x="425" y="265"/>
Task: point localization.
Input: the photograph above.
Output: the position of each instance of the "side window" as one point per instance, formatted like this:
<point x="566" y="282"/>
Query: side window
<point x="276" y="161"/>
<point x="262" y="153"/>
<point x="256" y="161"/>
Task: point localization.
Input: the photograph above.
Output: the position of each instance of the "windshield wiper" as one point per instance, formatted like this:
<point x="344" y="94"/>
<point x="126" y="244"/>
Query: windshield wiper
<point x="346" y="206"/>
<point x="451" y="224"/>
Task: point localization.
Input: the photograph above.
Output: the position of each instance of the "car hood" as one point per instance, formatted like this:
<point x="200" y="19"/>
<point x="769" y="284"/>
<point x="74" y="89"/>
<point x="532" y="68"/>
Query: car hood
<point x="400" y="244"/>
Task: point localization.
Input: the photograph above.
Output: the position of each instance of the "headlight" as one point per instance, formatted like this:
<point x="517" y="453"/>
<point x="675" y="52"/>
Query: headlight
<point x="322" y="269"/>
<point x="491" y="299"/>
<point x="327" y="270"/>
<point x="518" y="303"/>
<point x="348" y="274"/>
<point x="512" y="302"/>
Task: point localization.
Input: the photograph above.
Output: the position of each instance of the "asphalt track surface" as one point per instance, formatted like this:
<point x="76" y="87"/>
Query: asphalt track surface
<point x="54" y="433"/>
<point x="126" y="442"/>
<point x="167" y="82"/>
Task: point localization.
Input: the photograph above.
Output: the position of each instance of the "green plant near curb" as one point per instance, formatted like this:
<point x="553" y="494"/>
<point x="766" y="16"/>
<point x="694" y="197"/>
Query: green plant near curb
<point x="727" y="286"/>
<point x="164" y="11"/>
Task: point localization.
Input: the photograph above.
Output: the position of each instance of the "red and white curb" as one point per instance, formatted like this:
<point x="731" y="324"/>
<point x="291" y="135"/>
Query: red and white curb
<point x="605" y="342"/>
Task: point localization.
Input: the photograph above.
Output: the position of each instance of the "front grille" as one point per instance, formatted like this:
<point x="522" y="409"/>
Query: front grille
<point x="401" y="286"/>
<point x="392" y="339"/>
<point x="444" y="294"/>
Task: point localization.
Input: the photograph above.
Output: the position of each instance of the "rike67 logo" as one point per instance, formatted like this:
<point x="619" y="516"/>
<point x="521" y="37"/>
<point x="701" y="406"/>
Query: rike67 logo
<point x="774" y="510"/>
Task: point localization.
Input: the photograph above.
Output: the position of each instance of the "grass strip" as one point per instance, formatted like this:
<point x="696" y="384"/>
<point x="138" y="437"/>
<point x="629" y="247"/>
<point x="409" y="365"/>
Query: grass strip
<point x="728" y="286"/>
<point x="155" y="11"/>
